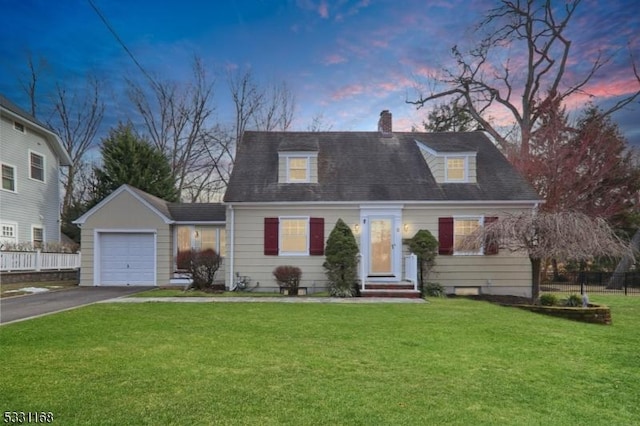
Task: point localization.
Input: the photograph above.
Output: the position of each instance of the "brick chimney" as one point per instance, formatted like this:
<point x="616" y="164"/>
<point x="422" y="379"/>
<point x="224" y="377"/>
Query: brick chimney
<point x="385" y="123"/>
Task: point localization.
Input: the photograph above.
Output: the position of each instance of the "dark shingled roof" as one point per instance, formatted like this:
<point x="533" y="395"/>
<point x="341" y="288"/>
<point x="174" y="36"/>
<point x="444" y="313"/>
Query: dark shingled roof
<point x="184" y="212"/>
<point x="198" y="212"/>
<point x="365" y="166"/>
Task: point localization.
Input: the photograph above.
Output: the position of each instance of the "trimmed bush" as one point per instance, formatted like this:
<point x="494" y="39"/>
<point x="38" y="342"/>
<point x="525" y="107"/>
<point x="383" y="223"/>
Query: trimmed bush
<point x="573" y="300"/>
<point x="433" y="290"/>
<point x="425" y="246"/>
<point x="288" y="276"/>
<point x="341" y="264"/>
<point x="202" y="265"/>
<point x="549" y="300"/>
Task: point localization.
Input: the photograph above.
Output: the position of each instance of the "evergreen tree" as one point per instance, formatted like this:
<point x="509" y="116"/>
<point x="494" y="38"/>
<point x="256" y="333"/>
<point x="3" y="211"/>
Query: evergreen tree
<point x="341" y="263"/>
<point x="127" y="158"/>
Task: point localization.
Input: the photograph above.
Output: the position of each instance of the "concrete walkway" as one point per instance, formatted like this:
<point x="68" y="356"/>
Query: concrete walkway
<point x="298" y="299"/>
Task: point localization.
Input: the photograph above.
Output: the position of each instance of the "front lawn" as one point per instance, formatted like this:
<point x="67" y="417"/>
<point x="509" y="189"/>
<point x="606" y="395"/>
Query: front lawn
<point x="451" y="361"/>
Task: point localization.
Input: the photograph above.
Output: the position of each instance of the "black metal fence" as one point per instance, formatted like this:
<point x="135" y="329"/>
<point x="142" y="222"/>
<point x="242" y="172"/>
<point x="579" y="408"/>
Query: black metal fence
<point x="592" y="282"/>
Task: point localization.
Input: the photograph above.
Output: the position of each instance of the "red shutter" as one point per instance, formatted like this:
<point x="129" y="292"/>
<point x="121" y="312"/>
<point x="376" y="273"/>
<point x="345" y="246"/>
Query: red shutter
<point x="492" y="248"/>
<point x="445" y="235"/>
<point x="271" y="236"/>
<point x="316" y="232"/>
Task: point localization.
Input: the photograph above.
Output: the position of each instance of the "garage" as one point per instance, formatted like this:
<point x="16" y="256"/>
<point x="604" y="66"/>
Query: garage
<point x="127" y="258"/>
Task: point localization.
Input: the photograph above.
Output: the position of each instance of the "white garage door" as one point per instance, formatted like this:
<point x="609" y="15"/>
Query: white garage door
<point x="127" y="258"/>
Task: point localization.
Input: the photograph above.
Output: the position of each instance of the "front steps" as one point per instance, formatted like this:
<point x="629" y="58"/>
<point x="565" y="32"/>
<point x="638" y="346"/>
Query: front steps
<point x="404" y="290"/>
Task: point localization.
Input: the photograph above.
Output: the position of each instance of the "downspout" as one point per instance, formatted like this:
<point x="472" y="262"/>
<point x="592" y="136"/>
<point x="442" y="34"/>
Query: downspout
<point x="231" y="251"/>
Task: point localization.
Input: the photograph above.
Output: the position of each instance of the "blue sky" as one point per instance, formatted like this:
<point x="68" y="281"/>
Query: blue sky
<point x="344" y="59"/>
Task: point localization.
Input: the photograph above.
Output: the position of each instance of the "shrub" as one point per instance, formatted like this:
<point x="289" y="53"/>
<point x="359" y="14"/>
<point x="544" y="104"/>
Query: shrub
<point x="182" y="260"/>
<point x="573" y="300"/>
<point x="425" y="246"/>
<point x="433" y="290"/>
<point x="549" y="300"/>
<point x="202" y="265"/>
<point x="288" y="276"/>
<point x="341" y="264"/>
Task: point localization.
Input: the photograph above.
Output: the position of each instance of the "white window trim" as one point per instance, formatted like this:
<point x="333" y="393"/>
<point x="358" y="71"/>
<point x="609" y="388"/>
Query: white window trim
<point x="44" y="235"/>
<point x="44" y="166"/>
<point x="192" y="239"/>
<point x="465" y="177"/>
<point x="24" y="128"/>
<point x="305" y="155"/>
<point x="12" y="240"/>
<point x="15" y="178"/>
<point x="480" y="220"/>
<point x="280" y="234"/>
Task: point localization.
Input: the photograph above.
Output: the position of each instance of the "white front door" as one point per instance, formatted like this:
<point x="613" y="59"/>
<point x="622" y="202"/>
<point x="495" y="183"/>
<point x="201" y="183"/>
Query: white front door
<point x="381" y="246"/>
<point x="381" y="243"/>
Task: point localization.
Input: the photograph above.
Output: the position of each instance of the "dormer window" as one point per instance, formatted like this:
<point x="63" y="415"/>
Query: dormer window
<point x="298" y="167"/>
<point x="456" y="169"/>
<point x="451" y="166"/>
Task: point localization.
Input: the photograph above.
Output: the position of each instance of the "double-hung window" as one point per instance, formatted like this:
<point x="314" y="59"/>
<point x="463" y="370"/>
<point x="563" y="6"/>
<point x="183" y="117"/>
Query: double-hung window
<point x="37" y="237"/>
<point x="8" y="178"/>
<point x="297" y="169"/>
<point x="294" y="236"/>
<point x="36" y="166"/>
<point x="456" y="169"/>
<point x="462" y="228"/>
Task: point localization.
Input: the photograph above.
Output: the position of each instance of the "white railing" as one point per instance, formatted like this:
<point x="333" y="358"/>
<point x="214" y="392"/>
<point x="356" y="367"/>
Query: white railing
<point x="37" y="261"/>
<point x="411" y="269"/>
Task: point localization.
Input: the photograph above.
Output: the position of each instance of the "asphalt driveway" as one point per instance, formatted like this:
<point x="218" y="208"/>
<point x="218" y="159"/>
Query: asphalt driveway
<point x="34" y="305"/>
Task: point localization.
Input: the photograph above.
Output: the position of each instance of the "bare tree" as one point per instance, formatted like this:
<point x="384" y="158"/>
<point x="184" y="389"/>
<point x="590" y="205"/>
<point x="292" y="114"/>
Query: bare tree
<point x="319" y="124"/>
<point x="178" y="121"/>
<point x="561" y="235"/>
<point x="277" y="109"/>
<point x="31" y="83"/>
<point x="77" y="119"/>
<point x="247" y="99"/>
<point x="482" y="79"/>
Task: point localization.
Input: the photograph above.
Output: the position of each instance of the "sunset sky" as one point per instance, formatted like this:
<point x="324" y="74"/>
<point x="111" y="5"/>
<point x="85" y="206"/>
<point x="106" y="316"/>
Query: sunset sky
<point x="344" y="59"/>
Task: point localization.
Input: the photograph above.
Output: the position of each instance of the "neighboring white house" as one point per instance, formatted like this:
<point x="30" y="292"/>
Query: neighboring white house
<point x="30" y="158"/>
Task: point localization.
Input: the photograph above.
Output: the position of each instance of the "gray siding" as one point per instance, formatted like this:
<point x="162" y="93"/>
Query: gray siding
<point x="35" y="203"/>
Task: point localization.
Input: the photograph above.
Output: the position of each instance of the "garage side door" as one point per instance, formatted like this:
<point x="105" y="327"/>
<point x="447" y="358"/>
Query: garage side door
<point x="127" y="259"/>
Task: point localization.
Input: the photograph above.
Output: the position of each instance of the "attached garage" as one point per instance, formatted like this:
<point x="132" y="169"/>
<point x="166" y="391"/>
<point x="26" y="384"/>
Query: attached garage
<point x="127" y="258"/>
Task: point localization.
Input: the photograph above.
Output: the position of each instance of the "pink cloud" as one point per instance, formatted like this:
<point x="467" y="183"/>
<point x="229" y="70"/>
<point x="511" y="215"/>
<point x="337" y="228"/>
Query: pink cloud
<point x="323" y="9"/>
<point x="348" y="92"/>
<point x="334" y="59"/>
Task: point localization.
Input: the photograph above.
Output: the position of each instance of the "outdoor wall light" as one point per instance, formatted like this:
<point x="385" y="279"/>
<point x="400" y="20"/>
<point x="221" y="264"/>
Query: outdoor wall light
<point x="356" y="228"/>
<point x="406" y="227"/>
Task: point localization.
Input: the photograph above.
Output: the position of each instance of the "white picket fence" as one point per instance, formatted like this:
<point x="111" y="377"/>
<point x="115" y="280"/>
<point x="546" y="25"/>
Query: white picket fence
<point x="37" y="261"/>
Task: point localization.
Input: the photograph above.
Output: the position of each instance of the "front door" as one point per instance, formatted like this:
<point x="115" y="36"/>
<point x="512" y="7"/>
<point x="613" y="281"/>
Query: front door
<point x="381" y="245"/>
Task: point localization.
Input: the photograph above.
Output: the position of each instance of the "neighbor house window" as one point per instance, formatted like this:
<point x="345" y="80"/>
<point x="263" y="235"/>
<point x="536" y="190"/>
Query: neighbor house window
<point x="294" y="236"/>
<point x="456" y="169"/>
<point x="37" y="237"/>
<point x="18" y="126"/>
<point x="462" y="228"/>
<point x="36" y="163"/>
<point x="8" y="233"/>
<point x="297" y="169"/>
<point x="8" y="178"/>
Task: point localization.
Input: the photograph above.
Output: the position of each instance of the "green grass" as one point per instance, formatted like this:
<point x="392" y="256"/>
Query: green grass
<point x="451" y="361"/>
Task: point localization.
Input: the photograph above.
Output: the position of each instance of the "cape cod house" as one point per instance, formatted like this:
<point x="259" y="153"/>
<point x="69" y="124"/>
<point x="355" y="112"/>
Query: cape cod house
<point x="288" y="189"/>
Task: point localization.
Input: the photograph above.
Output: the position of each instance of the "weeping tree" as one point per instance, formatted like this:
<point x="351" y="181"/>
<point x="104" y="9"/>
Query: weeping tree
<point x="566" y="236"/>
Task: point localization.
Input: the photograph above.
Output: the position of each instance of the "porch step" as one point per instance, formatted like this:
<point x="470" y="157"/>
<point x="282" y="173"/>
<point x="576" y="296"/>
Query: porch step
<point x="388" y="286"/>
<point x="404" y="293"/>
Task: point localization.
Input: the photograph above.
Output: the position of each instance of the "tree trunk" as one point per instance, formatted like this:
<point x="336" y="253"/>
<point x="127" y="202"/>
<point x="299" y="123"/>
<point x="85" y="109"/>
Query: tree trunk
<point x="617" y="279"/>
<point x="535" y="279"/>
